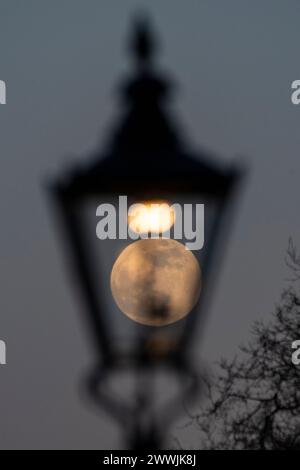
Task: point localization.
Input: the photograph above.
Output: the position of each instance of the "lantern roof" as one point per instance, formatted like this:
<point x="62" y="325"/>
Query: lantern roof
<point x="146" y="150"/>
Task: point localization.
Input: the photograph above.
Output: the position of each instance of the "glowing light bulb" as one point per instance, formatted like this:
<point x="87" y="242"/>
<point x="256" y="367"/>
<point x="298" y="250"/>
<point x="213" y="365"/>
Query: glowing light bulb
<point x="151" y="217"/>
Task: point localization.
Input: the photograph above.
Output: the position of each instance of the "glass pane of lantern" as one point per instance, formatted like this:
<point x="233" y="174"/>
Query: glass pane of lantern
<point x="105" y="252"/>
<point x="211" y="214"/>
<point x="126" y="332"/>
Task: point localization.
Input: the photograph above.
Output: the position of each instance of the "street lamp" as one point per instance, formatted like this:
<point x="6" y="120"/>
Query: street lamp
<point x="146" y="161"/>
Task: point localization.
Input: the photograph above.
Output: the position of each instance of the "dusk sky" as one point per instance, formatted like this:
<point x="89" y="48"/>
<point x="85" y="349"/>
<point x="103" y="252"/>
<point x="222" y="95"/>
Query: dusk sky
<point x="62" y="62"/>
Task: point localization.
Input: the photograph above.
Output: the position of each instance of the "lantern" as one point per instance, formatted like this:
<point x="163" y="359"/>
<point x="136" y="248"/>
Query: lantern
<point x="146" y="161"/>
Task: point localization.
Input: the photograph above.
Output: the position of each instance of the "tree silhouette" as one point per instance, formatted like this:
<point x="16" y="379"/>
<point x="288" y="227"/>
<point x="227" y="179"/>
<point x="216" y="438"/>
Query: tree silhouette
<point x="254" y="401"/>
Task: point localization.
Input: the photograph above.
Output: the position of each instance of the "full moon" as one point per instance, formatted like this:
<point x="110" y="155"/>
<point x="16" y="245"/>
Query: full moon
<point x="156" y="281"/>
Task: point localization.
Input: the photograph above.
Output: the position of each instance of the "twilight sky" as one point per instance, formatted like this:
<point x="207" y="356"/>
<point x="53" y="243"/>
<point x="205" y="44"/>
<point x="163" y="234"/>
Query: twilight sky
<point x="234" y="62"/>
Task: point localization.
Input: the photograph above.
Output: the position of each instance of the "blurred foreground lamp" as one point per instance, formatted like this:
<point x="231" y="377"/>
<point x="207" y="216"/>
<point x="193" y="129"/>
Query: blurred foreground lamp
<point x="146" y="161"/>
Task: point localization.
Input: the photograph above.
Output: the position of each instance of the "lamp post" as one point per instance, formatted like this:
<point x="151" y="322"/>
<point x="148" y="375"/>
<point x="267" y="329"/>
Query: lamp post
<point x="145" y="160"/>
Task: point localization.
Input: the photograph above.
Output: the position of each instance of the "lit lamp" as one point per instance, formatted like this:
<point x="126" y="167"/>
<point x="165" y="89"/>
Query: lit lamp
<point x="155" y="282"/>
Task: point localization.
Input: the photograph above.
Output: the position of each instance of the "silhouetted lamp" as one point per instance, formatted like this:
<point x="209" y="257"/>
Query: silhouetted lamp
<point x="147" y="161"/>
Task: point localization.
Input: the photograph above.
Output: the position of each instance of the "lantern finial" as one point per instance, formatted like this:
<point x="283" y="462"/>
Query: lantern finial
<point x="142" y="41"/>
